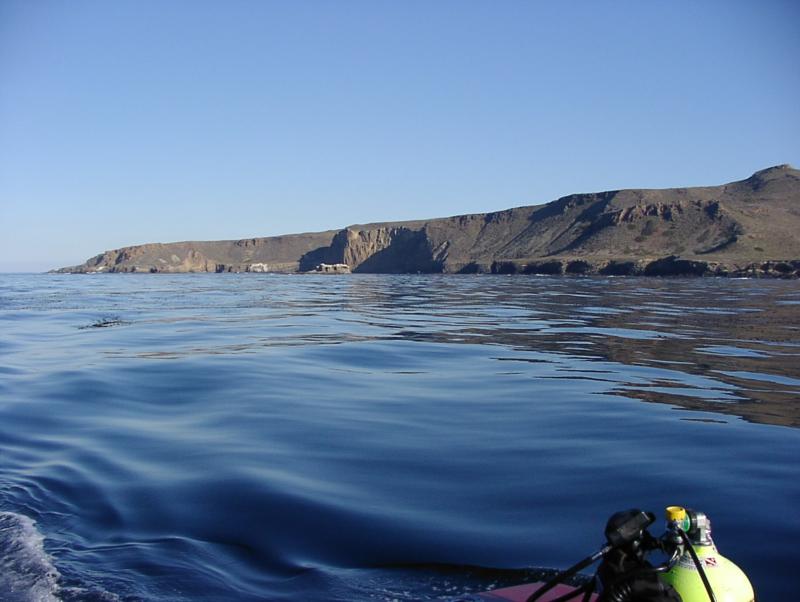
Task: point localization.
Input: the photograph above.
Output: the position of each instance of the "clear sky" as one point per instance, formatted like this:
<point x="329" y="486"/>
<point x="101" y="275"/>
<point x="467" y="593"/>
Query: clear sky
<point x="125" y="122"/>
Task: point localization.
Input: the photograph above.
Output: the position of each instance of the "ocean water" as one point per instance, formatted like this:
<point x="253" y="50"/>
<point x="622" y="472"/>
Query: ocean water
<point x="268" y="437"/>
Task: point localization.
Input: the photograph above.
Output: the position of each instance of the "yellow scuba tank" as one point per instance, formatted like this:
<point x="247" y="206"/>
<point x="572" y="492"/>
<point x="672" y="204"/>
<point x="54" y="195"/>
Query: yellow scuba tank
<point x="691" y="532"/>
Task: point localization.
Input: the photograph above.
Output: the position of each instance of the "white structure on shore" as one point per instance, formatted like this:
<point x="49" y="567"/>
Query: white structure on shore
<point x="332" y="268"/>
<point x="258" y="267"/>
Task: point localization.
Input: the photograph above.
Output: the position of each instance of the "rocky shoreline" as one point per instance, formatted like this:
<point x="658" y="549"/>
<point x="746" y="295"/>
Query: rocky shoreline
<point x="663" y="267"/>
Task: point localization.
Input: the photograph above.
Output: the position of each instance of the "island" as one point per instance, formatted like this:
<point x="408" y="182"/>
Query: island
<point x="745" y="228"/>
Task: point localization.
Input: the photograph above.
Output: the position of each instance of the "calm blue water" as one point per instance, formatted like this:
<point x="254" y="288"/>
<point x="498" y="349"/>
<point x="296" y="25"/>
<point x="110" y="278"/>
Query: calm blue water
<point x="264" y="437"/>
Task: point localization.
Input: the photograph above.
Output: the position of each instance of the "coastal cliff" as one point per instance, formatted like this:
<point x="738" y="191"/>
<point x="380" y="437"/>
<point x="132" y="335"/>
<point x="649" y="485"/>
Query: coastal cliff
<point x="745" y="228"/>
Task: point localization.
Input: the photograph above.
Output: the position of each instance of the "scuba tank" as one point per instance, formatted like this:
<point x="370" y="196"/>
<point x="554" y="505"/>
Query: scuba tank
<point x="694" y="571"/>
<point x="699" y="566"/>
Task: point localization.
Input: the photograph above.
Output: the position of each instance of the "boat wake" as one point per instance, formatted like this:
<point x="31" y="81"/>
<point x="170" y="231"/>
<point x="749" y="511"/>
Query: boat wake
<point x="27" y="573"/>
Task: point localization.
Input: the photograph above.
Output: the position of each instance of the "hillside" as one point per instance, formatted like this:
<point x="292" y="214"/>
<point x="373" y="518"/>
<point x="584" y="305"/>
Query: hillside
<point x="749" y="227"/>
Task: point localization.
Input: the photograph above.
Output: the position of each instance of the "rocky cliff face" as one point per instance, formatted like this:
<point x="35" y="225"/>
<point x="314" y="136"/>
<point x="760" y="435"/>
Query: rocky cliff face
<point x="748" y="227"/>
<point x="379" y="250"/>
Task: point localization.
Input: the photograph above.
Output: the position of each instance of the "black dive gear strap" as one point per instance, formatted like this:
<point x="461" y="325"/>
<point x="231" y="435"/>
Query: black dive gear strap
<point x="624" y="574"/>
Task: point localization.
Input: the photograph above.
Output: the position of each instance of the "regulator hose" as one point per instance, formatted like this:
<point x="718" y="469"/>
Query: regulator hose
<point x="568" y="573"/>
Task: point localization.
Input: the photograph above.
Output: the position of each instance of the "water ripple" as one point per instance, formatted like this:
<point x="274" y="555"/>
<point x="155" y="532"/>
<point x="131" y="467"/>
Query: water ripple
<point x="261" y="437"/>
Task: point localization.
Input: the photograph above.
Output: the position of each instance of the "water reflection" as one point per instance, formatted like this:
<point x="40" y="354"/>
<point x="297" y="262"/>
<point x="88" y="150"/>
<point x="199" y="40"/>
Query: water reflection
<point x="718" y="345"/>
<point x="726" y="346"/>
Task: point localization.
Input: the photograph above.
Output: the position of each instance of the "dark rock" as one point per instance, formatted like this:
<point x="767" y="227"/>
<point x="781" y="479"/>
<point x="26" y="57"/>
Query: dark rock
<point x="472" y="268"/>
<point x="578" y="266"/>
<point x="618" y="268"/>
<point x="504" y="267"/>
<point x="552" y="268"/>
<point x="673" y="266"/>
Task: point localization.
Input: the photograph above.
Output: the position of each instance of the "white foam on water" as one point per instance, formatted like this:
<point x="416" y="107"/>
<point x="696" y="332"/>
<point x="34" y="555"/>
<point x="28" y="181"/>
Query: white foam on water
<point x="27" y="573"/>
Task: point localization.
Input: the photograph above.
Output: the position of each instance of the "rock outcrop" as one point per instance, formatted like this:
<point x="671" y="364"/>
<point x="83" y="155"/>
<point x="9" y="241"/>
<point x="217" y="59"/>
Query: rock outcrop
<point x="379" y="250"/>
<point x="745" y="228"/>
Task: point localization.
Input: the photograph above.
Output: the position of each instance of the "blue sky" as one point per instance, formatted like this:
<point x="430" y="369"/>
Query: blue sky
<point x="128" y="122"/>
